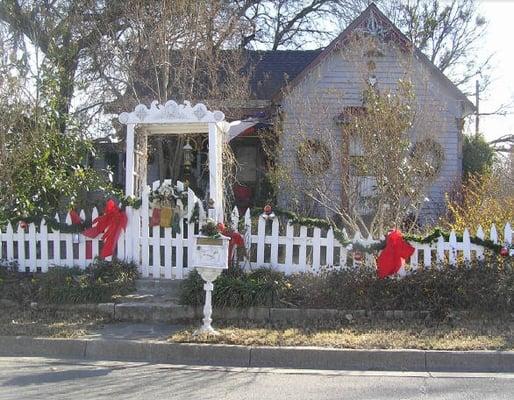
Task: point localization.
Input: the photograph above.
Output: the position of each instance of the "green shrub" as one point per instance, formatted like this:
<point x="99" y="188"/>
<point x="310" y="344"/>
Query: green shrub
<point x="19" y="287"/>
<point x="98" y="283"/>
<point x="235" y="288"/>
<point x="482" y="287"/>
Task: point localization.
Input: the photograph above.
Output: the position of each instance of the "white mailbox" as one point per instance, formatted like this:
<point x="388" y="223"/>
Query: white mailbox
<point x="210" y="257"/>
<point x="211" y="252"/>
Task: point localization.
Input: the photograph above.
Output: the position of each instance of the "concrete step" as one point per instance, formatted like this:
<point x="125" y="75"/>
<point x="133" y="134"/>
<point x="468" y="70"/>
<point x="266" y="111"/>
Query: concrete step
<point x="146" y="297"/>
<point x="158" y="286"/>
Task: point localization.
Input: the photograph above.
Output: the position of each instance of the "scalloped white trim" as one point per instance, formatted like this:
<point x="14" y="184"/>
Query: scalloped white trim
<point x="170" y="112"/>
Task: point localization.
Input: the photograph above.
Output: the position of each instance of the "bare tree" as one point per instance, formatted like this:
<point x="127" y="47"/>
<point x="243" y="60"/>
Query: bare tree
<point x="185" y="50"/>
<point x="448" y="33"/>
<point x="294" y="24"/>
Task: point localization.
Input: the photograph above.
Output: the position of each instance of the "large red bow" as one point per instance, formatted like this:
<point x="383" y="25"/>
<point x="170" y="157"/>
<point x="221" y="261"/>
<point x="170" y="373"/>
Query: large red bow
<point x="394" y="254"/>
<point x="111" y="223"/>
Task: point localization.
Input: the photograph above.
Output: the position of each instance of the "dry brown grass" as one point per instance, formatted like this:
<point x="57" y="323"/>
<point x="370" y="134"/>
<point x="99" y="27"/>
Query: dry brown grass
<point x="368" y="334"/>
<point x="58" y="324"/>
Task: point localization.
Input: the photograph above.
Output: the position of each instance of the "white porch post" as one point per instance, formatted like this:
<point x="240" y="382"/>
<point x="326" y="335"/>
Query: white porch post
<point x="129" y="162"/>
<point x="216" y="169"/>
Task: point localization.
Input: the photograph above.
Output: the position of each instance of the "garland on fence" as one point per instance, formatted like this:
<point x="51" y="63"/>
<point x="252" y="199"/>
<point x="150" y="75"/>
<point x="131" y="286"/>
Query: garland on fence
<point x="375" y="245"/>
<point x="76" y="226"/>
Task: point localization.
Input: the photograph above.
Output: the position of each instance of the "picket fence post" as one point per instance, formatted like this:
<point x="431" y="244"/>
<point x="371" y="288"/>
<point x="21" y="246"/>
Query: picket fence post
<point x="145" y="233"/>
<point x="507" y="234"/>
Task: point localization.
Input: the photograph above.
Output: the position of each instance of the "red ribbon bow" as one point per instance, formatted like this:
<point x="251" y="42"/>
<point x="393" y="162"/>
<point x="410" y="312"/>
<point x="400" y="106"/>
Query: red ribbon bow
<point x="111" y="223"/>
<point x="236" y="239"/>
<point x="394" y="254"/>
<point x="75" y="217"/>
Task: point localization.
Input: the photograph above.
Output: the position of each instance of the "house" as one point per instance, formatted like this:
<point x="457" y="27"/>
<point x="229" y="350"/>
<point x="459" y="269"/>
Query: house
<point x="337" y="76"/>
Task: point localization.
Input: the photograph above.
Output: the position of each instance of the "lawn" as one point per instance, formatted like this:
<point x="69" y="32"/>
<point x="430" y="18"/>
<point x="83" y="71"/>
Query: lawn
<point x="47" y="323"/>
<point x="493" y="334"/>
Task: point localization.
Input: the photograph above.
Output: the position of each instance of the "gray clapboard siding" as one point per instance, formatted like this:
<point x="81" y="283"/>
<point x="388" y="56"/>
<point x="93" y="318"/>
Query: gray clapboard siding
<point x="341" y="81"/>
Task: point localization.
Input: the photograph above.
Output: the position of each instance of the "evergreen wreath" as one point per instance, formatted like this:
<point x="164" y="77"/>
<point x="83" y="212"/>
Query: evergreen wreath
<point x="430" y="152"/>
<point x="313" y="156"/>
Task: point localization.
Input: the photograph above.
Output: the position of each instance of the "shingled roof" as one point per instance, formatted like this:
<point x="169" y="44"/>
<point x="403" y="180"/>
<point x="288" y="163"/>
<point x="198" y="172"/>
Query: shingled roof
<point x="271" y="70"/>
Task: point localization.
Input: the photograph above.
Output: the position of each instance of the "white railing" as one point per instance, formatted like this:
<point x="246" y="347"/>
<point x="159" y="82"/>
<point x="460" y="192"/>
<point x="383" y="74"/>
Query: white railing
<point x="161" y="253"/>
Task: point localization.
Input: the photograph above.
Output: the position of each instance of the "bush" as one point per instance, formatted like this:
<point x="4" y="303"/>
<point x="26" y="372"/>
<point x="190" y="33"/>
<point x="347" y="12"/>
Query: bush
<point x="98" y="283"/>
<point x="19" y="287"/>
<point x="478" y="288"/>
<point x="482" y="287"/>
<point x="483" y="200"/>
<point x="235" y="288"/>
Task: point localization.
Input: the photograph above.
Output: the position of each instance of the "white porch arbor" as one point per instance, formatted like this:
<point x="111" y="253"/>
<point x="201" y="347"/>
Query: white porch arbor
<point x="178" y="119"/>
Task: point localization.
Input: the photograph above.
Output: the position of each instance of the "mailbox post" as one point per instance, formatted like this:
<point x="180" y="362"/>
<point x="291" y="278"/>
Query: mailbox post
<point x="210" y="258"/>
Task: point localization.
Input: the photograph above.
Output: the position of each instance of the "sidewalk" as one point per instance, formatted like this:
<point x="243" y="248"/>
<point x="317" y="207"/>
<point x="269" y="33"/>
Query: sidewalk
<point x="147" y="343"/>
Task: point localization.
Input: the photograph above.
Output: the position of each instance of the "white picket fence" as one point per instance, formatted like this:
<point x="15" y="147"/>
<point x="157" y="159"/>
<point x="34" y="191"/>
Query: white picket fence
<point x="161" y="253"/>
<point x="292" y="248"/>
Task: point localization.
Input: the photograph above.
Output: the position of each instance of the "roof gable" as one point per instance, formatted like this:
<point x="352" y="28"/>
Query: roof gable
<point x="374" y="23"/>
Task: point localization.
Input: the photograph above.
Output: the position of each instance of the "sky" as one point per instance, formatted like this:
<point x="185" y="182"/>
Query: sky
<point x="499" y="40"/>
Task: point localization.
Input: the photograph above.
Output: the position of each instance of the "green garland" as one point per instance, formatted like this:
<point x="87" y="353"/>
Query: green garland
<point x="378" y="245"/>
<point x="195" y="214"/>
<point x="434" y="236"/>
<point x="52" y="224"/>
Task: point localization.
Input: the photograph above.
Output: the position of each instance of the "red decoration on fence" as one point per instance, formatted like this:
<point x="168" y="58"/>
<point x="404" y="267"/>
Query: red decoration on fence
<point x="110" y="224"/>
<point x="75" y="217"/>
<point x="394" y="254"/>
<point x="236" y="239"/>
<point x="155" y="220"/>
<point x="504" y="252"/>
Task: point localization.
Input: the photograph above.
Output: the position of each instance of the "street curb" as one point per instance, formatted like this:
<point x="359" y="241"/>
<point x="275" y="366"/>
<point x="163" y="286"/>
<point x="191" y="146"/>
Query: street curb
<point x="259" y="357"/>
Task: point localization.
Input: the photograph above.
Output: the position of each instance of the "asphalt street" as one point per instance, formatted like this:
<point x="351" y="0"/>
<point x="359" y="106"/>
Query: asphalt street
<point x="43" y="378"/>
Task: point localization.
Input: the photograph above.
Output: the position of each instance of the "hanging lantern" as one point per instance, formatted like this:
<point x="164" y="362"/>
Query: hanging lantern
<point x="188" y="155"/>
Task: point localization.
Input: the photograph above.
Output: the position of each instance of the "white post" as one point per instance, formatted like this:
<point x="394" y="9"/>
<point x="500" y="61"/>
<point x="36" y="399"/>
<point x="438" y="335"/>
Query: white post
<point x="209" y="275"/>
<point x="207" y="308"/>
<point x="129" y="162"/>
<point x="216" y="169"/>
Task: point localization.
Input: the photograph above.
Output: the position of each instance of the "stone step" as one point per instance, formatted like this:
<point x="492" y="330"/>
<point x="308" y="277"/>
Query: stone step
<point x="146" y="297"/>
<point x="158" y="286"/>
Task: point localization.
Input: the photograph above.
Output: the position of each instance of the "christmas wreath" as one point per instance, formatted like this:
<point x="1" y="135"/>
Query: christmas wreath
<point x="313" y="156"/>
<point x="431" y="153"/>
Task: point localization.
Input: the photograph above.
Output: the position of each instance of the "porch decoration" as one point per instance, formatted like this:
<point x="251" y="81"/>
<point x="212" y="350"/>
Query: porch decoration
<point x="167" y="205"/>
<point x="109" y="224"/>
<point x="77" y="225"/>
<point x="313" y="156"/>
<point x="507" y="251"/>
<point x="75" y="217"/>
<point x="393" y="256"/>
